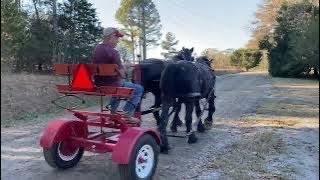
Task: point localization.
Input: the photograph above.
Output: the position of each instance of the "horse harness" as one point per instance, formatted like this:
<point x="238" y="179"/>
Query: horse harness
<point x="210" y="94"/>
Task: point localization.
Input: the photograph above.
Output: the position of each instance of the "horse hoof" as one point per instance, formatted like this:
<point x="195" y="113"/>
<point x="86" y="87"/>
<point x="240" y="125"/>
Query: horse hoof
<point x="158" y="122"/>
<point x="164" y="149"/>
<point x="179" y="123"/>
<point x="174" y="129"/>
<point x="192" y="138"/>
<point x="201" y="128"/>
<point x="208" y="125"/>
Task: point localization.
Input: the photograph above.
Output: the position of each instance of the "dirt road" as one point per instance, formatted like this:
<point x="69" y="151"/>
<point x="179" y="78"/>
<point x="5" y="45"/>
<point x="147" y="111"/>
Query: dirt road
<point x="238" y="96"/>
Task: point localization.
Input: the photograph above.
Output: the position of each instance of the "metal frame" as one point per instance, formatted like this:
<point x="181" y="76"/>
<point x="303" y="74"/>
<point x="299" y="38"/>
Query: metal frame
<point x="114" y="129"/>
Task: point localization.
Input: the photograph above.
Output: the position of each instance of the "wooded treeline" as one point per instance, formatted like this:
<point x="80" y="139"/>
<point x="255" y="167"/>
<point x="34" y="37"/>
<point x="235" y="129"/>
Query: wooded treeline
<point x="46" y="32"/>
<point x="289" y="31"/>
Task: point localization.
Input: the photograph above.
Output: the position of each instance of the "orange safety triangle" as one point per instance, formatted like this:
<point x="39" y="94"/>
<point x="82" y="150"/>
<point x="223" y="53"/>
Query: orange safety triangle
<point x="82" y="79"/>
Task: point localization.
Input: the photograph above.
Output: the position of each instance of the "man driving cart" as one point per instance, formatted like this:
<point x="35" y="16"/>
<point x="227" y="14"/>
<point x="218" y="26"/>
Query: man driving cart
<point x="105" y="53"/>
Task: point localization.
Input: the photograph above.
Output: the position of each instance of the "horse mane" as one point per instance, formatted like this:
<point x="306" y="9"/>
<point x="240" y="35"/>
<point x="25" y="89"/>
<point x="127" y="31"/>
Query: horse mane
<point x="204" y="60"/>
<point x="180" y="56"/>
<point x="177" y="57"/>
<point x="151" y="60"/>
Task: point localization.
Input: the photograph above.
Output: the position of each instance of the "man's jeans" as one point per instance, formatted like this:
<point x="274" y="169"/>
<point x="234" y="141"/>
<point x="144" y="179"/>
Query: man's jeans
<point x="130" y="105"/>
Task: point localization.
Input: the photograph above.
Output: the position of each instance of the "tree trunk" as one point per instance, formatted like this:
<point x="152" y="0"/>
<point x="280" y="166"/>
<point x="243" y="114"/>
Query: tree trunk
<point x="133" y="46"/>
<point x="36" y="10"/>
<point x="72" y="37"/>
<point x="55" y="25"/>
<point x="140" y="50"/>
<point x="144" y="40"/>
<point x="18" y="3"/>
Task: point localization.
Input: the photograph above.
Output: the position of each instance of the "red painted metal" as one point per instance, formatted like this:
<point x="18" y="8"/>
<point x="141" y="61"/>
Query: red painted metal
<point x="60" y="130"/>
<point x="127" y="141"/>
<point x="75" y="133"/>
<point x="95" y="69"/>
<point x="116" y="120"/>
<point x="93" y="135"/>
<point x="120" y="92"/>
<point x="97" y="145"/>
<point x="68" y="147"/>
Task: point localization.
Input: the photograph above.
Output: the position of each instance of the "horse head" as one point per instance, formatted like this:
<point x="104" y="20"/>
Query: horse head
<point x="204" y="60"/>
<point x="184" y="54"/>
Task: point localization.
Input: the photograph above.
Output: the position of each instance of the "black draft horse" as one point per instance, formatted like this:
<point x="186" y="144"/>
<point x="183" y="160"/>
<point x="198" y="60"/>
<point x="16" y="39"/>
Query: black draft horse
<point x="151" y="70"/>
<point x="188" y="82"/>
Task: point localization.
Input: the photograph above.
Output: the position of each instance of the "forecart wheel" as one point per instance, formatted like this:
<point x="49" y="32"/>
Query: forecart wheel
<point x="63" y="155"/>
<point x="143" y="160"/>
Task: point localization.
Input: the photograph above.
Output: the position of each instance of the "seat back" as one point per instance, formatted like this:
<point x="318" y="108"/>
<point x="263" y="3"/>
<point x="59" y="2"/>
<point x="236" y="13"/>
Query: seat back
<point x="80" y="76"/>
<point x="95" y="69"/>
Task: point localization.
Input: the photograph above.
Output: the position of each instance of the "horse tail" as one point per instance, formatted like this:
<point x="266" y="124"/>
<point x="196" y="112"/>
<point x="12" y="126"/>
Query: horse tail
<point x="180" y="80"/>
<point x="167" y="80"/>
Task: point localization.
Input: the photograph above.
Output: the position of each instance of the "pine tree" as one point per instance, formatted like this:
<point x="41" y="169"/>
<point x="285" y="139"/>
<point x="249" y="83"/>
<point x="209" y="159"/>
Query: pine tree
<point x="53" y="18"/>
<point x="143" y="15"/>
<point x="292" y="47"/>
<point x="168" y="45"/>
<point x="13" y="30"/>
<point x="80" y="30"/>
<point x="125" y="53"/>
<point x="246" y="58"/>
<point x="131" y="32"/>
<point x="130" y="39"/>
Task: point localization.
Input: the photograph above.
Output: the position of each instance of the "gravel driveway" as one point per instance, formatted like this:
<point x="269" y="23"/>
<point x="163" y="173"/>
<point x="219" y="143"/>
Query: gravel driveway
<point x="237" y="95"/>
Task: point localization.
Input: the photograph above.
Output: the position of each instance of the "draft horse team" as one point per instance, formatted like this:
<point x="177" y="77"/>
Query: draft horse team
<point x="177" y="81"/>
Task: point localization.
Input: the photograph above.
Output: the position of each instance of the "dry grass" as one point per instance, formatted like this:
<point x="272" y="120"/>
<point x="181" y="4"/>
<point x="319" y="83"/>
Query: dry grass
<point x="279" y="140"/>
<point x="245" y="159"/>
<point x="279" y="122"/>
<point x="26" y="96"/>
<point x="292" y="98"/>
<point x="294" y="109"/>
<point x="227" y="71"/>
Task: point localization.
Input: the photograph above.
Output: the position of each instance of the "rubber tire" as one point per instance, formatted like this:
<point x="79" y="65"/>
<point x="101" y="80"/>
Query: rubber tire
<point x="52" y="157"/>
<point x="127" y="171"/>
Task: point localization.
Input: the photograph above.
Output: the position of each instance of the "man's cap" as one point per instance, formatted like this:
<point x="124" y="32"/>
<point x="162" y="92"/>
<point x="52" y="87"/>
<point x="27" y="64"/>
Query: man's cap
<point x="111" y="31"/>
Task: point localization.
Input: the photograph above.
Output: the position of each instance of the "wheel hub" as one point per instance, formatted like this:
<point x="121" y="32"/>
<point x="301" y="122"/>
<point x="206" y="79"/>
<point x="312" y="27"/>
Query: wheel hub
<point x="145" y="161"/>
<point x="67" y="151"/>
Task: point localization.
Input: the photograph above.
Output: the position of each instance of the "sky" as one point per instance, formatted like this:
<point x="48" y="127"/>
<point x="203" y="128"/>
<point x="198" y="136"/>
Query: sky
<point x="201" y="24"/>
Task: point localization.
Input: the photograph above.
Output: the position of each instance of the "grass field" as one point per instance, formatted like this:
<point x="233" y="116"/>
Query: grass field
<point x="280" y="140"/>
<point x="25" y="97"/>
<point x="227" y="71"/>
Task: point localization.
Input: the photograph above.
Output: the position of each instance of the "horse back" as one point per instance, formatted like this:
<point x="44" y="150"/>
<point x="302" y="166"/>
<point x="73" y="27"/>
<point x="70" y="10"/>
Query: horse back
<point x="181" y="79"/>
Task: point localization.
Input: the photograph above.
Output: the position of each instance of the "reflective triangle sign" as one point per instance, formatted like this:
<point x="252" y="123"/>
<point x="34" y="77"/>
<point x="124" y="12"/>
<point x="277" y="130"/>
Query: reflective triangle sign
<point x="82" y="79"/>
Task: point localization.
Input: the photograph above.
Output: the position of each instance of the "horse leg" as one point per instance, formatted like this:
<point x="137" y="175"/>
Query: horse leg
<point x="162" y="127"/>
<point x="189" y="110"/>
<point x="157" y="104"/>
<point x="212" y="109"/>
<point x="200" y="126"/>
<point x="176" y="117"/>
<point x="176" y="120"/>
